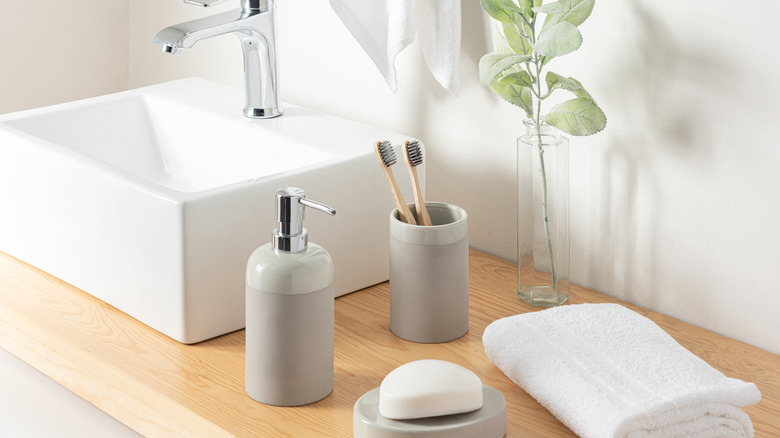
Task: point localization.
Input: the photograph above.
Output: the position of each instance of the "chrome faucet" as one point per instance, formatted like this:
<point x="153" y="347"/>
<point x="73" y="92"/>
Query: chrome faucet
<point x="255" y="26"/>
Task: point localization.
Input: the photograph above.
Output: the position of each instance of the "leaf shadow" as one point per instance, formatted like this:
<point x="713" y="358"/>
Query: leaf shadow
<point x="660" y="91"/>
<point x="668" y="78"/>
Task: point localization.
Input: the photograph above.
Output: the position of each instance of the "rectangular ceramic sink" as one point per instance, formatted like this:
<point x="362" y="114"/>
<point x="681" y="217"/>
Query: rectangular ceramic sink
<point x="152" y="199"/>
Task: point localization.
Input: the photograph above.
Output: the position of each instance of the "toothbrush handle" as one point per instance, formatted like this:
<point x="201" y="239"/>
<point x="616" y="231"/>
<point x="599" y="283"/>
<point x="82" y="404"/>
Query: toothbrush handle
<point x="423" y="218"/>
<point x="404" y="214"/>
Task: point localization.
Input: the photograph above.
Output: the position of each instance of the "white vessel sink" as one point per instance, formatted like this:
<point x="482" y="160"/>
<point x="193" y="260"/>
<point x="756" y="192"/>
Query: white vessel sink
<point x="152" y="199"/>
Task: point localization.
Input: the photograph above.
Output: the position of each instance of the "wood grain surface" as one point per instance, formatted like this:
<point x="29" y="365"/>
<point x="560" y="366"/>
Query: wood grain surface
<point x="160" y="387"/>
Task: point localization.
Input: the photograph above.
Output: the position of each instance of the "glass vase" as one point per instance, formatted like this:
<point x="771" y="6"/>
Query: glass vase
<point x="542" y="215"/>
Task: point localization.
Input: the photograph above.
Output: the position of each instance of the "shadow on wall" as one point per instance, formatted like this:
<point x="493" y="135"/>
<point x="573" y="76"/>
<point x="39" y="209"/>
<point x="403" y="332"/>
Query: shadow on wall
<point x="429" y="93"/>
<point x="654" y="97"/>
<point x="474" y="41"/>
<point x="670" y="80"/>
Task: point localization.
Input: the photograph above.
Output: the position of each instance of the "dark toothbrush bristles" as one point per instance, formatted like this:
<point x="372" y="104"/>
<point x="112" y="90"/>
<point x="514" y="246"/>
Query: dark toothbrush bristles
<point x="414" y="152"/>
<point x="387" y="153"/>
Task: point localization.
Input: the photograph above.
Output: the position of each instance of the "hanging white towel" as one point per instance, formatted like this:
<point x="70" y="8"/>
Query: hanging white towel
<point x="439" y="27"/>
<point x="606" y="371"/>
<point x="385" y="27"/>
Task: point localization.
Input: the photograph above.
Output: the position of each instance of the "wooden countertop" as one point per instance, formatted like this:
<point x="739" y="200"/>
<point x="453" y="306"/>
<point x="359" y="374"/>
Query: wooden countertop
<point x="160" y="387"/>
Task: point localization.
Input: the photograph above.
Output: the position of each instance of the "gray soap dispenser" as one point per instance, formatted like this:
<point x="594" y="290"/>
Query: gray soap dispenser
<point x="289" y="311"/>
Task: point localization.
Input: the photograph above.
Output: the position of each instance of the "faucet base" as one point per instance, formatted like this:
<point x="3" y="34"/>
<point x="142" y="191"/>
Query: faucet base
<point x="263" y="113"/>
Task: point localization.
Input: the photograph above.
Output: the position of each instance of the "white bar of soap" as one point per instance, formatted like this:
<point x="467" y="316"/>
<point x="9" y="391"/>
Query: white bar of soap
<point x="429" y="388"/>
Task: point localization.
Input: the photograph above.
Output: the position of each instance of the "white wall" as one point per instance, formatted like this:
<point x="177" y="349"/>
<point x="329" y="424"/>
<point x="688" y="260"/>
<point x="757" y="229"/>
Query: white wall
<point x="52" y="51"/>
<point x="679" y="201"/>
<point x="674" y="206"/>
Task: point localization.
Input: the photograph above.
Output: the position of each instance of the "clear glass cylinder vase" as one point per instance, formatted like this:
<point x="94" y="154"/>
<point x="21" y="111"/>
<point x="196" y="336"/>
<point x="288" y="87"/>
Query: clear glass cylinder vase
<point x="542" y="216"/>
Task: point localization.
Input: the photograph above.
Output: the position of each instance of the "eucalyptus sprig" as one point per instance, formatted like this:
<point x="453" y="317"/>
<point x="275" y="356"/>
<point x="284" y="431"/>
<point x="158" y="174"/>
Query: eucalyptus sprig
<point x="514" y="71"/>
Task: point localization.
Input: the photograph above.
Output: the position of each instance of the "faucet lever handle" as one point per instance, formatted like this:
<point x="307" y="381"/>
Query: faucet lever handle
<point x="204" y="3"/>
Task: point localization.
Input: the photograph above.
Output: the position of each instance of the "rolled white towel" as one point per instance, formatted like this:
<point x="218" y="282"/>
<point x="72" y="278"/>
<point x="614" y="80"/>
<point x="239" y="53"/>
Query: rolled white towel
<point x="606" y="371"/>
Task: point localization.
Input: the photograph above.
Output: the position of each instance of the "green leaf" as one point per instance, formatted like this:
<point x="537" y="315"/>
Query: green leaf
<point x="556" y="81"/>
<point x="527" y="7"/>
<point x="502" y="10"/>
<point x="549" y="8"/>
<point x="558" y="40"/>
<point x="519" y="43"/>
<point x="493" y="65"/>
<point x="513" y="89"/>
<point x="574" y="12"/>
<point x="520" y="78"/>
<point x="578" y="116"/>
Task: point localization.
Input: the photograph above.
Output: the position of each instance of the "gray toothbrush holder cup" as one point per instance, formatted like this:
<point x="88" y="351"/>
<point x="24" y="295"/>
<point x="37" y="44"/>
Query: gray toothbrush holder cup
<point x="429" y="275"/>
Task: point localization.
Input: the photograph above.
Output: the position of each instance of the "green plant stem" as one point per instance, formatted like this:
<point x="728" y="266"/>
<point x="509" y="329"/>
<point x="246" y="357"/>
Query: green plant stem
<point x="544" y="210"/>
<point x="538" y="121"/>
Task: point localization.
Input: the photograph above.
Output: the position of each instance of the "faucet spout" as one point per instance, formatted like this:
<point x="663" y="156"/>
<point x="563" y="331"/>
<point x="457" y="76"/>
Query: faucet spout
<point x="255" y="28"/>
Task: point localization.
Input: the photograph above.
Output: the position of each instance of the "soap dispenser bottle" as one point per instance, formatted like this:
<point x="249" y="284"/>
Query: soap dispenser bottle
<point x="289" y="311"/>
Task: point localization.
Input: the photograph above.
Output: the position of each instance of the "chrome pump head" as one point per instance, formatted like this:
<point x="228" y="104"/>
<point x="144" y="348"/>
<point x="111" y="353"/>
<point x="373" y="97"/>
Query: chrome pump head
<point x="290" y="212"/>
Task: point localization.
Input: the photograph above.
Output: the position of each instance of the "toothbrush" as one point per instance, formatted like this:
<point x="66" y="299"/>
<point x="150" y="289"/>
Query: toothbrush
<point x="386" y="157"/>
<point x="413" y="157"/>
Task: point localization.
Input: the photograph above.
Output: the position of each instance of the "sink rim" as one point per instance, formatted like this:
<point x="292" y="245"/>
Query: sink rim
<point x="214" y="99"/>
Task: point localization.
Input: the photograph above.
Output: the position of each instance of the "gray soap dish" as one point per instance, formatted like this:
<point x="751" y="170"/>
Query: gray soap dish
<point x="486" y="422"/>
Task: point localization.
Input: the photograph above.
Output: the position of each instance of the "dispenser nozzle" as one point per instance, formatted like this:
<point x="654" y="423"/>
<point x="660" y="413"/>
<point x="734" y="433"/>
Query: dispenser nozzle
<point x="318" y="206"/>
